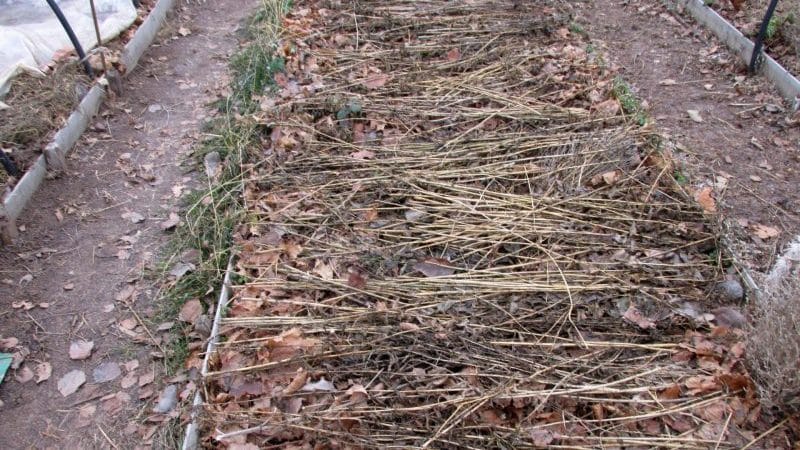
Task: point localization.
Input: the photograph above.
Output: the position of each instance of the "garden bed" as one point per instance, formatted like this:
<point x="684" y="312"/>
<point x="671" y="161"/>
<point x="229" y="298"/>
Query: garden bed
<point x="462" y="233"/>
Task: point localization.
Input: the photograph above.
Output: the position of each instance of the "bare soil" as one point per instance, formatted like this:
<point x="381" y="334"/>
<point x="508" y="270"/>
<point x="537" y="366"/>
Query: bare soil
<point x="745" y="148"/>
<point x="78" y="268"/>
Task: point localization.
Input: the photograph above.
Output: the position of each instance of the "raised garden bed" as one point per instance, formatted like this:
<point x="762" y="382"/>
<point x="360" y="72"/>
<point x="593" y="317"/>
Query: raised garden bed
<point x="459" y="235"/>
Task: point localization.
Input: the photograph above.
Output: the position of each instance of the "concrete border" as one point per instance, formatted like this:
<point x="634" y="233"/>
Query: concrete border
<point x="145" y="35"/>
<point x="55" y="152"/>
<point x="785" y="82"/>
<point x="190" y="440"/>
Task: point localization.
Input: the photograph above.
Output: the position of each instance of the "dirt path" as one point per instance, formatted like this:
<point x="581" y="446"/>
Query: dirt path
<point x="745" y="146"/>
<point x="91" y="234"/>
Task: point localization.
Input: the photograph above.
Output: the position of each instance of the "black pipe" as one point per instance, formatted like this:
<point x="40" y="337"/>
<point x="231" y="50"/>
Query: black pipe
<point x="72" y="37"/>
<point x="754" y="60"/>
<point x="8" y="164"/>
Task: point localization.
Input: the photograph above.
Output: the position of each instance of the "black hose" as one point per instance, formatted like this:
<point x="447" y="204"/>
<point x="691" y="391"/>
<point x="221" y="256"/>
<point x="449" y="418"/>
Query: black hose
<point x="8" y="164"/>
<point x="754" y="60"/>
<point x="72" y="37"/>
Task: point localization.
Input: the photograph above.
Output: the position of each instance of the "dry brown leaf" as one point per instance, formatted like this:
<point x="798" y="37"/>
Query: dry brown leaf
<point x="635" y="316"/>
<point x="43" y="371"/>
<point x="325" y="271"/>
<point x="376" y="81"/>
<point x="608" y="108"/>
<point x="362" y="154"/>
<point x="24" y="374"/>
<point x="371" y="214"/>
<point x="454" y="54"/>
<point x="408" y="326"/>
<point x="190" y="311"/>
<point x="79" y="350"/>
<point x="705" y="199"/>
<point x="297" y="382"/>
<point x="434" y="267"/>
<point x="701" y="383"/>
<point x="171" y="222"/>
<point x="543" y="438"/>
<point x="764" y="231"/>
<point x="671" y="393"/>
<point x="356" y="280"/>
<point x="70" y="382"/>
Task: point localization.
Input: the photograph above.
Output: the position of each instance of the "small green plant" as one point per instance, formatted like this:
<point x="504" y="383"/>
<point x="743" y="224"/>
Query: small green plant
<point x="680" y="177"/>
<point x="776" y="25"/>
<point x="630" y="104"/>
<point x="576" y="28"/>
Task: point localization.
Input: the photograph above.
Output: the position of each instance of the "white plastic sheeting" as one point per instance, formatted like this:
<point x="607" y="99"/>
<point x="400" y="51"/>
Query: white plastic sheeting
<point x="30" y="34"/>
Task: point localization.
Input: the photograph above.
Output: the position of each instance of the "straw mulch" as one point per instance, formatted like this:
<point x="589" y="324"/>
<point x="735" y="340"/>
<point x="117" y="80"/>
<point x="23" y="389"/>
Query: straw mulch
<point x="456" y="239"/>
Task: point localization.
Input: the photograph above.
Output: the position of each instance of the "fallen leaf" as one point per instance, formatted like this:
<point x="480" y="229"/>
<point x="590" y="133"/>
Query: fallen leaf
<point x="706" y="201"/>
<point x="183" y="31"/>
<point x="126" y="293"/>
<point x="635" y="316"/>
<point x="371" y="214"/>
<point x="667" y="82"/>
<point x="376" y="81"/>
<point x="133" y="217"/>
<point x="434" y="267"/>
<point x="27" y="306"/>
<point x="107" y="371"/>
<point x="543" y="438"/>
<point x="321" y="385"/>
<point x="131" y="365"/>
<point x="79" y="350"/>
<point x="356" y="280"/>
<point x="408" y="326"/>
<point x="43" y="371"/>
<point x="694" y="115"/>
<point x="147" y="378"/>
<point x="454" y="54"/>
<point x="190" y="311"/>
<point x="128" y="380"/>
<point x="608" y="108"/>
<point x="701" y="383"/>
<point x="362" y="154"/>
<point x="24" y="374"/>
<point x="671" y="393"/>
<point x="70" y="382"/>
<point x="764" y="231"/>
<point x="8" y="343"/>
<point x="755" y="178"/>
<point x="325" y="271"/>
<point x="297" y="383"/>
<point x="171" y="222"/>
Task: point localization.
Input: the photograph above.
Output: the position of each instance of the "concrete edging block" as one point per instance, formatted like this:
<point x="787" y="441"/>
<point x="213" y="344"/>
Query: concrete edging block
<point x="145" y="35"/>
<point x="785" y="82"/>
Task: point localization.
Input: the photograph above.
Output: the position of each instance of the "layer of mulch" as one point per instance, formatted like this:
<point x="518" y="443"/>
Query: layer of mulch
<point x="460" y="237"/>
<point x="783" y="34"/>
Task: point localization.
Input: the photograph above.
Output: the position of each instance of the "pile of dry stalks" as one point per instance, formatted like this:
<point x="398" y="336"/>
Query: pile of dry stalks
<point x="457" y="240"/>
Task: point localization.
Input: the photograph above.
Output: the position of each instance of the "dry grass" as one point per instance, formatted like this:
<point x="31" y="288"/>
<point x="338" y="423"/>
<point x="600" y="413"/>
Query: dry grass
<point x="773" y="345"/>
<point x="38" y="107"/>
<point x="462" y="251"/>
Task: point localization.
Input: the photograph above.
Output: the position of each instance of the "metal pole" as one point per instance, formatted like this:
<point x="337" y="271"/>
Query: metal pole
<point x="97" y="34"/>
<point x="72" y="37"/>
<point x="754" y="60"/>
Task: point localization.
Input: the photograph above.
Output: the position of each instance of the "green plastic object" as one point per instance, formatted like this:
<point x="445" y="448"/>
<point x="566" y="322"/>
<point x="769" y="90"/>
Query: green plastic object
<point x="5" y="363"/>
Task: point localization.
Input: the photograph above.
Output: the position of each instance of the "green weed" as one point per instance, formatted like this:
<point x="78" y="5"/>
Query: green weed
<point x="628" y="101"/>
